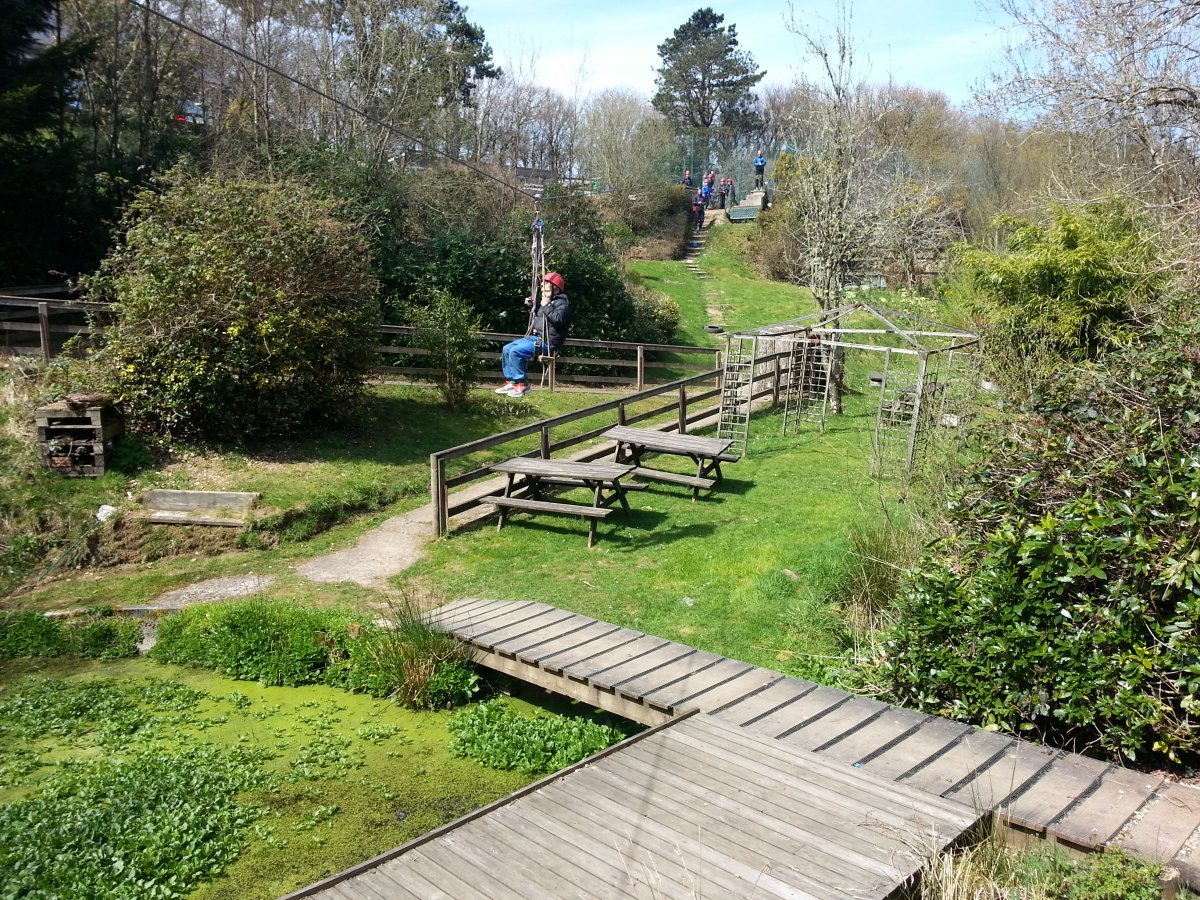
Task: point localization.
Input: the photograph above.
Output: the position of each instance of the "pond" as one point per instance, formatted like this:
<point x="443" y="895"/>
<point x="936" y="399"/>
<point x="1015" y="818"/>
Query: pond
<point x="182" y="783"/>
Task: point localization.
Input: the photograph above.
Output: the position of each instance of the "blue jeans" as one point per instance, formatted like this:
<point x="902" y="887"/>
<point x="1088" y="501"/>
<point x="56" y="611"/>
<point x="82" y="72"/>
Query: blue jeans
<point x="516" y="355"/>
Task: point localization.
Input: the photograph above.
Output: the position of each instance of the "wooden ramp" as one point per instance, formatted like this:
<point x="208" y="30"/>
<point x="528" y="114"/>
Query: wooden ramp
<point x="695" y="808"/>
<point x="759" y="742"/>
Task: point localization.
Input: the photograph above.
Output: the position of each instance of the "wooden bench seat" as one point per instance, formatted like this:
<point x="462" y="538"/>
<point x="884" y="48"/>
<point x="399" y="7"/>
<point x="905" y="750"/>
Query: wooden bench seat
<point x="673" y="478"/>
<point x="593" y="513"/>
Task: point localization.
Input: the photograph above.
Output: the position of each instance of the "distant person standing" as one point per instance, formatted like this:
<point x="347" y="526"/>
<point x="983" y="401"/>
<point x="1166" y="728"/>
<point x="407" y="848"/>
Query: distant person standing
<point x="722" y="192"/>
<point x="731" y="192"/>
<point x="686" y="180"/>
<point x="760" y="169"/>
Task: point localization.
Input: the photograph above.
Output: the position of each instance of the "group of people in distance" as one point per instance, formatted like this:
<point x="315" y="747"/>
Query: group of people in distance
<point x="714" y="194"/>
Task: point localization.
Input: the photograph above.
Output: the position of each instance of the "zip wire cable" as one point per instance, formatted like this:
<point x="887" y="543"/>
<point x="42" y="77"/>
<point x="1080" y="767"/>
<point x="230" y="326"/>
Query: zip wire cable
<point x="320" y="93"/>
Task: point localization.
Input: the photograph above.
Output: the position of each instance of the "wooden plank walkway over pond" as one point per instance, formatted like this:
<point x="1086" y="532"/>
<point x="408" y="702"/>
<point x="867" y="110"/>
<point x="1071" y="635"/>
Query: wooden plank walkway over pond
<point x="771" y="785"/>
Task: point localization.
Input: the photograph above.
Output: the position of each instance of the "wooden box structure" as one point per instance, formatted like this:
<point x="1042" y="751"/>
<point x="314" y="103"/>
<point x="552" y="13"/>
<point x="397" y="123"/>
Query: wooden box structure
<point x="76" y="435"/>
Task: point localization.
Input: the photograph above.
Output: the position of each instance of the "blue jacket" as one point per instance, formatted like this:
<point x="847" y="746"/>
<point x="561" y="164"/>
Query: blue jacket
<point x="760" y="160"/>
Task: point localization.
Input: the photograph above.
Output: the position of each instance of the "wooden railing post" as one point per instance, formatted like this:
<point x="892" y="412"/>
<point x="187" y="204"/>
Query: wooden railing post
<point x="641" y="367"/>
<point x="545" y="435"/>
<point x="682" y="409"/>
<point x="775" y="385"/>
<point x="437" y="488"/>
<point x="43" y="310"/>
<point x="621" y="413"/>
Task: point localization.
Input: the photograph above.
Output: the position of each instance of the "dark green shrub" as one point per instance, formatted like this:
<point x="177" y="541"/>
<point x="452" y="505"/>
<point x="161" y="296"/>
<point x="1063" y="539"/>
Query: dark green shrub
<point x="30" y="633"/>
<point x="1064" y="606"/>
<point x="494" y="735"/>
<point x="454" y="683"/>
<point x="103" y="637"/>
<point x="272" y="643"/>
<point x="243" y="309"/>
<point x="447" y="329"/>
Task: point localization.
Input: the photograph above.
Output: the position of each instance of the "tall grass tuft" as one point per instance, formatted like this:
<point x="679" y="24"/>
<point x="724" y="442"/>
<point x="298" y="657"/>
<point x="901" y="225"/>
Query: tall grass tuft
<point x="416" y="666"/>
<point x="873" y="576"/>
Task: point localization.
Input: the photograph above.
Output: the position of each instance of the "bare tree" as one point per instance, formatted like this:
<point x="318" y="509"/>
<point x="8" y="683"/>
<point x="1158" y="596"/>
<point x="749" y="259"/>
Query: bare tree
<point x="847" y="199"/>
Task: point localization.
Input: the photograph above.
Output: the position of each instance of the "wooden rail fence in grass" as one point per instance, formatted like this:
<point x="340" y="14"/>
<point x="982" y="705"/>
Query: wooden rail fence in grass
<point x="43" y="325"/>
<point x="676" y="405"/>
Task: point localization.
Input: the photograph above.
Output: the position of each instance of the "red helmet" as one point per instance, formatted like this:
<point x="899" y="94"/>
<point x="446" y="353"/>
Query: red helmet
<point x="555" y="279"/>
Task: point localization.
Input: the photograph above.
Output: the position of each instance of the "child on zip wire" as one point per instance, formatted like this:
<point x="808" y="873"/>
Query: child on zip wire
<point x="548" y="332"/>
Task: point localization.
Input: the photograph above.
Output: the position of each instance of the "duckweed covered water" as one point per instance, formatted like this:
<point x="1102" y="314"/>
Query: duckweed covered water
<point x="347" y="776"/>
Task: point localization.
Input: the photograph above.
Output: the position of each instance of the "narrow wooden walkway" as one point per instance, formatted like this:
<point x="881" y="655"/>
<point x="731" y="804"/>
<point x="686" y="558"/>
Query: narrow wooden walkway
<point x="760" y="741"/>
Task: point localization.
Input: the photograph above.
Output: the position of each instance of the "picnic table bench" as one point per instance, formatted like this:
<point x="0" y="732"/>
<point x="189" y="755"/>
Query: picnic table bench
<point x="707" y="453"/>
<point x="535" y="474"/>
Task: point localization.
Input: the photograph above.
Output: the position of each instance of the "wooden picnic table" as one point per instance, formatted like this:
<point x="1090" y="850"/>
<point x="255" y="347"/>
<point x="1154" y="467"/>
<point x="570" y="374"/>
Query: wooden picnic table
<point x="707" y="453"/>
<point x="533" y="474"/>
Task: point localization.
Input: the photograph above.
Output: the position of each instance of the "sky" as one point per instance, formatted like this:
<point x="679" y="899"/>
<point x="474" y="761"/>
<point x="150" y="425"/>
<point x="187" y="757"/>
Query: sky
<point x="582" y="47"/>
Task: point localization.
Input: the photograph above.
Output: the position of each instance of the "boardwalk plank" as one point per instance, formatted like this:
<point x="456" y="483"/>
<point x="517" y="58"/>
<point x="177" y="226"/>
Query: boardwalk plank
<point x="1094" y="820"/>
<point x="932" y="737"/>
<point x="780" y="693"/>
<point x="975" y="751"/>
<point x="578" y="842"/>
<point x="850" y="747"/>
<point x="1021" y="764"/>
<point x="634" y="650"/>
<point x="460" y="881"/>
<point x="540" y="872"/>
<point x="832" y="725"/>
<point x="571" y="623"/>
<point x="486" y="871"/>
<point x="1068" y="778"/>
<point x="733" y="689"/>
<point x="799" y="860"/>
<point x="521" y="628"/>
<point x="889" y="802"/>
<point x="535" y="649"/>
<point x="803" y="709"/>
<point x="795" y="822"/>
<point x="493" y="620"/>
<point x="542" y="848"/>
<point x="391" y="874"/>
<point x="442" y="617"/>
<point x="636" y="847"/>
<point x="686" y="689"/>
<point x="667" y="826"/>
<point x="354" y="889"/>
<point x="390" y="889"/>
<point x="469" y="623"/>
<point x="1165" y="826"/>
<point x="563" y="660"/>
<point x="663" y="665"/>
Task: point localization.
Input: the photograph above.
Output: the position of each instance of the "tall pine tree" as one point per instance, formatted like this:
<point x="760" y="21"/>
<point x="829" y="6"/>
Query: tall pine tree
<point x="705" y="80"/>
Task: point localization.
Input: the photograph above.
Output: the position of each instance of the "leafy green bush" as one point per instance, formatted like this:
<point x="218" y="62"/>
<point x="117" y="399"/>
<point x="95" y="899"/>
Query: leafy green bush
<point x="242" y="309"/>
<point x="32" y="634"/>
<point x="1065" y="604"/>
<point x="494" y="735"/>
<point x="272" y="643"/>
<point x="155" y="825"/>
<point x="447" y="329"/>
<point x="1071" y="287"/>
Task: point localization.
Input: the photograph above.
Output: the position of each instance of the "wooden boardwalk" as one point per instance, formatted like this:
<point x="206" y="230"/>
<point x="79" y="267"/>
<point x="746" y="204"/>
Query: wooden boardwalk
<point x="742" y="793"/>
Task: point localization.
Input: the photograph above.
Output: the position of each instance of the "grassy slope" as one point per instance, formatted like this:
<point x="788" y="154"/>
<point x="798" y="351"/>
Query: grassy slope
<point x="746" y="571"/>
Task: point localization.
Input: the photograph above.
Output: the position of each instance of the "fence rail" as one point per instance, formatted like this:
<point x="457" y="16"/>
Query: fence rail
<point x="633" y="364"/>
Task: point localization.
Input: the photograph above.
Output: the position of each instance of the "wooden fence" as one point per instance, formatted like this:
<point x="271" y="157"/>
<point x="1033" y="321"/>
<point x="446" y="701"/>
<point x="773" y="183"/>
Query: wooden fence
<point x="33" y="325"/>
